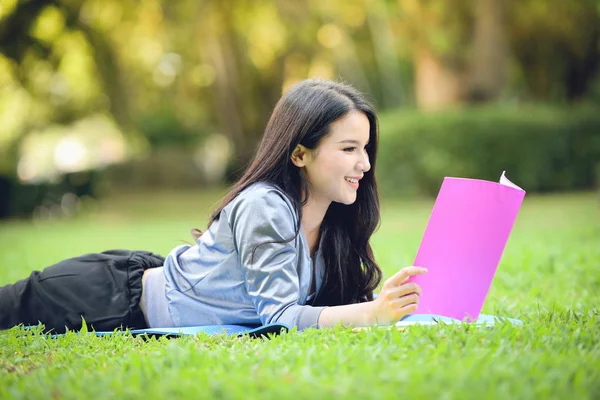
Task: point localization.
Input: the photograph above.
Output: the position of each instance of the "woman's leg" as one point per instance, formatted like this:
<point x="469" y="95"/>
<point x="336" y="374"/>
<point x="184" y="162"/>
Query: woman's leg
<point x="18" y="306"/>
<point x="103" y="288"/>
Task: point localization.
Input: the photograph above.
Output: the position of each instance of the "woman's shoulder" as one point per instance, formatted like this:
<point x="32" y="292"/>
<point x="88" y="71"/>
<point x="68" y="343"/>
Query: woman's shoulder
<point x="262" y="197"/>
<point x="261" y="189"/>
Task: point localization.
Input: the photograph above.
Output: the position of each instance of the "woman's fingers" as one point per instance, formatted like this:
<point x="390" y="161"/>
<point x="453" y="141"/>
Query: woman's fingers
<point x="404" y="301"/>
<point x="404" y="289"/>
<point x="404" y="274"/>
<point x="405" y="310"/>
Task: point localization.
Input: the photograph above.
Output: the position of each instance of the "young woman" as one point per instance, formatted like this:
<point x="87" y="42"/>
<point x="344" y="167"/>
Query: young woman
<point x="288" y="244"/>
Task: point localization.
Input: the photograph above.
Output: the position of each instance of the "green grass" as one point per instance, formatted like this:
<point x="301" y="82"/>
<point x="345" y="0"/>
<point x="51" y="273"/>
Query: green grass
<point x="549" y="277"/>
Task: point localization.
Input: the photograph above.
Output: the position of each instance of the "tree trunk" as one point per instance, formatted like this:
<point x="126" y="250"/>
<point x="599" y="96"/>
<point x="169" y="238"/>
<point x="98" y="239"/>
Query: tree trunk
<point x="109" y="72"/>
<point x="437" y="86"/>
<point x="221" y="54"/>
<point x="385" y="51"/>
<point x="488" y="67"/>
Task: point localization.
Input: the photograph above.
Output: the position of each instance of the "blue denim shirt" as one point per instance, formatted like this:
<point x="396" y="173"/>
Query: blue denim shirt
<point x="218" y="281"/>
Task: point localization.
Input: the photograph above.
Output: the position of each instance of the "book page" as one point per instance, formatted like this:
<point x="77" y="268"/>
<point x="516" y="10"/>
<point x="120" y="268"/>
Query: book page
<point x="504" y="180"/>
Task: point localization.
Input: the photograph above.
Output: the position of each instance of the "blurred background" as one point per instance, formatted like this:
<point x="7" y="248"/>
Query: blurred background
<point x="104" y="97"/>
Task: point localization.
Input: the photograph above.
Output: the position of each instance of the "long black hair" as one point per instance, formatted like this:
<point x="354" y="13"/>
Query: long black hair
<point x="303" y="116"/>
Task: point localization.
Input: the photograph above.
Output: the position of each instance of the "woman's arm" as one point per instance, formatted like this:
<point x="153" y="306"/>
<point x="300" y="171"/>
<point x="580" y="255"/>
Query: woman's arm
<point x="397" y="299"/>
<point x="262" y="224"/>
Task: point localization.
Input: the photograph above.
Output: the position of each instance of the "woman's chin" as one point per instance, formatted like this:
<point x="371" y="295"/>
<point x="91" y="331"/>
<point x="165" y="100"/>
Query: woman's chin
<point x="348" y="200"/>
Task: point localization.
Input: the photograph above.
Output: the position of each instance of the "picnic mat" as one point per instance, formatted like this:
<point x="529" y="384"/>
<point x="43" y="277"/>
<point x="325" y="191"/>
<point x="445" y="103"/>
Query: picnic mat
<point x="431" y="319"/>
<point x="276" y="329"/>
<point x="265" y="330"/>
<point x="229" y="330"/>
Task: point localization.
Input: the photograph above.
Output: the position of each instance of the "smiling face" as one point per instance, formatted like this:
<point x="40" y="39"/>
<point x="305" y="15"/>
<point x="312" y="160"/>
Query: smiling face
<point x="334" y="169"/>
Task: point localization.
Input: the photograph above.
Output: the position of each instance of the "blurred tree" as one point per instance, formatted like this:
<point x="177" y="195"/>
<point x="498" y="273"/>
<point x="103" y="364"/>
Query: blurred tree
<point x="62" y="69"/>
<point x="487" y="79"/>
<point x="459" y="49"/>
<point x="221" y="70"/>
<point x="32" y="33"/>
<point x="462" y="50"/>
<point x="246" y="39"/>
<point x="557" y="45"/>
<point x="172" y="73"/>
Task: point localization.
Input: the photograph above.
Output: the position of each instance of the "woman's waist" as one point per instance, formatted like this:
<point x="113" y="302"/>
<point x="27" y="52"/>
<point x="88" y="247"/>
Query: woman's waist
<point x="154" y="304"/>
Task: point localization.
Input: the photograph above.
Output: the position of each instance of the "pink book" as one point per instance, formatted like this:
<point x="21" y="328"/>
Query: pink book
<point x="462" y="245"/>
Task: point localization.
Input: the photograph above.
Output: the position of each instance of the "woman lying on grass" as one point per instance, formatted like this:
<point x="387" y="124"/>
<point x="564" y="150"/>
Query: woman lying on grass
<point x="288" y="244"/>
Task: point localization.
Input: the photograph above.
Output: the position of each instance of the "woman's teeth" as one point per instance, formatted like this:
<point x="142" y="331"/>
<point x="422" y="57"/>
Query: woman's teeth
<point x="351" y="180"/>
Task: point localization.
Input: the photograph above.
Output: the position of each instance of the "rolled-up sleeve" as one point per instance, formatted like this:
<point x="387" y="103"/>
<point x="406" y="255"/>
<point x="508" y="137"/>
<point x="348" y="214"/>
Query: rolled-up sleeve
<point x="270" y="269"/>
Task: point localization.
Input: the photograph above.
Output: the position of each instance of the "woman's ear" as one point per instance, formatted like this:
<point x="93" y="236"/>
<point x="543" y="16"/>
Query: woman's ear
<point x="300" y="156"/>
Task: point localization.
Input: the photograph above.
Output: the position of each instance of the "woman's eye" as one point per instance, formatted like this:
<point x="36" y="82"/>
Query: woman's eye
<point x="349" y="149"/>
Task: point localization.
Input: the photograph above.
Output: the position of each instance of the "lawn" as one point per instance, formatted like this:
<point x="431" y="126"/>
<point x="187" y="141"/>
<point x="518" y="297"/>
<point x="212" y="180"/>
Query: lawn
<point x="549" y="277"/>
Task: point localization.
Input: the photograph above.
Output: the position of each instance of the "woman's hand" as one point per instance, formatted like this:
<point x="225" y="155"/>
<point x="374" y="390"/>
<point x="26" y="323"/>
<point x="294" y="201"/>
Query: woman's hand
<point x="398" y="297"/>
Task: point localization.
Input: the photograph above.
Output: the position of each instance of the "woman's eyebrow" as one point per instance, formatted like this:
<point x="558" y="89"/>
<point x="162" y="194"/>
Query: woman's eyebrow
<point x="352" y="141"/>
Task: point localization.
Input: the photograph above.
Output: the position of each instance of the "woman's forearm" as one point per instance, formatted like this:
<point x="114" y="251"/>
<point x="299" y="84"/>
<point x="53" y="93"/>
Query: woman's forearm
<point x="397" y="299"/>
<point x="360" y="314"/>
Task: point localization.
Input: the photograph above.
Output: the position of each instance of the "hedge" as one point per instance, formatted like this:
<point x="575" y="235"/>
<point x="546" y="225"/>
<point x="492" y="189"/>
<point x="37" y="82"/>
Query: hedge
<point x="542" y="148"/>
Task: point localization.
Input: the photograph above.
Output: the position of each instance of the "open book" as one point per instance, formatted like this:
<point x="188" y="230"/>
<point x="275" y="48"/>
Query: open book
<point x="462" y="245"/>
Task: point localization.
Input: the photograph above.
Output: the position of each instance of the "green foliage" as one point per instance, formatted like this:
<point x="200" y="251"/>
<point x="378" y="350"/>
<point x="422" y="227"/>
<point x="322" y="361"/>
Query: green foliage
<point x="221" y="66"/>
<point x="555" y="43"/>
<point x="163" y="128"/>
<point x="547" y="277"/>
<point x="541" y="148"/>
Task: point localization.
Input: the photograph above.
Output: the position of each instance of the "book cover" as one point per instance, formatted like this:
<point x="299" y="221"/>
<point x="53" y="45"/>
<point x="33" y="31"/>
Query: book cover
<point x="462" y="245"/>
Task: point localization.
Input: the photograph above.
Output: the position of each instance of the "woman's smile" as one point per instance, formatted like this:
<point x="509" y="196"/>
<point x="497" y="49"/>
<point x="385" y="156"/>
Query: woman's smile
<point x="352" y="181"/>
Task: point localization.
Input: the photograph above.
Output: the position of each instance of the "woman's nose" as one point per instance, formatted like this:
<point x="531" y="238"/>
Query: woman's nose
<point x="364" y="164"/>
